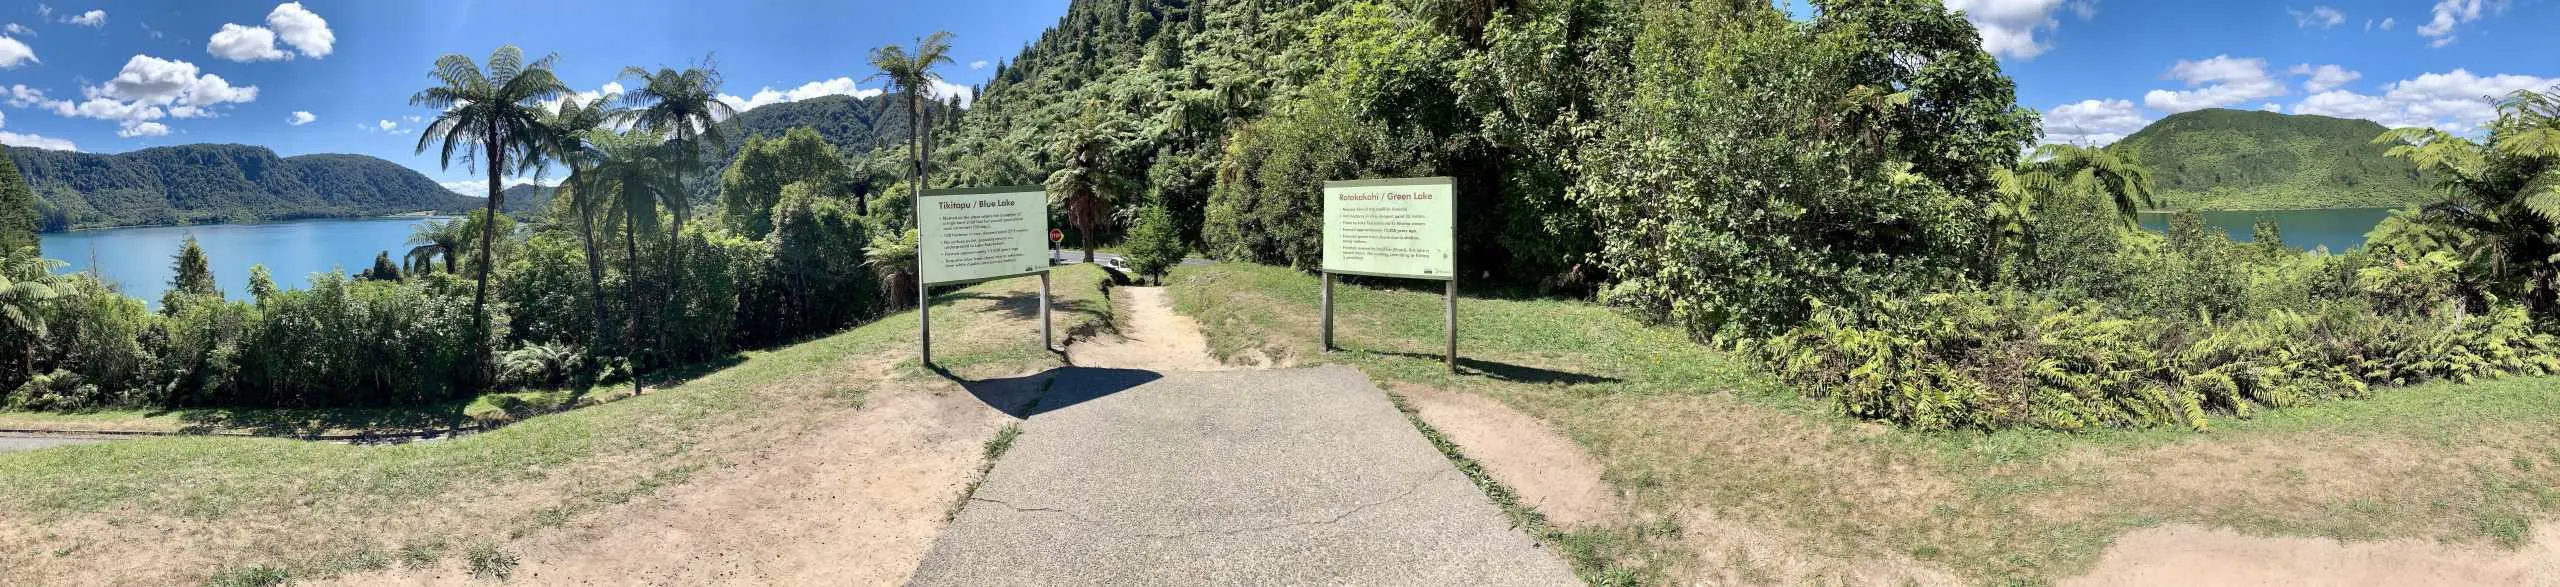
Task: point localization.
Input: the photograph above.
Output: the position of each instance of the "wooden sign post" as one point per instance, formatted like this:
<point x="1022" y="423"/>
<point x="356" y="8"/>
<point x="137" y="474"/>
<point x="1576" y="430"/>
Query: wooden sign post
<point x="975" y="235"/>
<point x="1400" y="228"/>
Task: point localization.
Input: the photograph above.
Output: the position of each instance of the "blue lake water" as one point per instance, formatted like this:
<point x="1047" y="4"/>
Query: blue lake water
<point x="2338" y="229"/>
<point x="139" y="259"/>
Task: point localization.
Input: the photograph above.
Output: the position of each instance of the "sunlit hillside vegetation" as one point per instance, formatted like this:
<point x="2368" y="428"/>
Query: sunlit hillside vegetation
<point x="2249" y="160"/>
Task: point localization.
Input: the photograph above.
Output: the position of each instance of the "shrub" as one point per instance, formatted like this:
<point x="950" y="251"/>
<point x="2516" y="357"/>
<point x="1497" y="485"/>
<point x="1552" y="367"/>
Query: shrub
<point x="1982" y="360"/>
<point x="543" y="366"/>
<point x="1155" y="245"/>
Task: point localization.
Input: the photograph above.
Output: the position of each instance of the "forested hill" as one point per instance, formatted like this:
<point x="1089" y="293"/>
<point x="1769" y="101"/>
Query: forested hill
<point x="220" y="183"/>
<point x="526" y="200"/>
<point x="2234" y="159"/>
<point x="853" y="125"/>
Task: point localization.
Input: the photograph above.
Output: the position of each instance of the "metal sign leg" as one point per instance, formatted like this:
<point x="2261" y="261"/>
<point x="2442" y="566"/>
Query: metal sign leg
<point x="1449" y="315"/>
<point x="1326" y="330"/>
<point x="924" y="322"/>
<point x="1046" y="342"/>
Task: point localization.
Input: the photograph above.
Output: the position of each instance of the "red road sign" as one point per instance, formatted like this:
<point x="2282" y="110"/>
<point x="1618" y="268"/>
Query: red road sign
<point x="1056" y="235"/>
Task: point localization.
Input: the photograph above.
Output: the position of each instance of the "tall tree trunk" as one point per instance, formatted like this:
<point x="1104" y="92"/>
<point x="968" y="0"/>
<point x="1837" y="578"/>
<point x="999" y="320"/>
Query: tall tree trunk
<point x="488" y="231"/>
<point x="595" y="278"/>
<point x="915" y="148"/>
<point x="631" y="297"/>
<point x="675" y="259"/>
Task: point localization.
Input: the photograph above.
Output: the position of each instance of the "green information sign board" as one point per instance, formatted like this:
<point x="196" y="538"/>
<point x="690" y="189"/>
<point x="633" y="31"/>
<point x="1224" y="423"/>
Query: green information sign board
<point x="981" y="234"/>
<point x="1391" y="228"/>
<point x="972" y="235"/>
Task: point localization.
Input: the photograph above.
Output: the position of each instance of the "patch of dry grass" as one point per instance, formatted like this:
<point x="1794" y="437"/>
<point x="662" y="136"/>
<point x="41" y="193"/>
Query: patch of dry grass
<point x="181" y="510"/>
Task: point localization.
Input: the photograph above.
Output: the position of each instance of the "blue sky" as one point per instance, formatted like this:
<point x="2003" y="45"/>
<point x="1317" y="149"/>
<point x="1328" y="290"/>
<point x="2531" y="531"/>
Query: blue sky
<point x="117" y="75"/>
<point x="149" y="72"/>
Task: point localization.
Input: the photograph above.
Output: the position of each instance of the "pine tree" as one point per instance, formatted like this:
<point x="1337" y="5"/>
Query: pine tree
<point x="383" y="269"/>
<point x="262" y="285"/>
<point x="18" y="218"/>
<point x="194" y="278"/>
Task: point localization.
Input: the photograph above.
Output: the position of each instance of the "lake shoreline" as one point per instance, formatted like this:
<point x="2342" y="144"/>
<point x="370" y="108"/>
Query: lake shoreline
<point x="415" y="215"/>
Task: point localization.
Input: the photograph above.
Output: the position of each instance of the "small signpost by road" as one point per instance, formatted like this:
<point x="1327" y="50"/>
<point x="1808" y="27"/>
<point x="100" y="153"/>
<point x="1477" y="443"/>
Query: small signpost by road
<point x="1392" y="228"/>
<point x="974" y="235"/>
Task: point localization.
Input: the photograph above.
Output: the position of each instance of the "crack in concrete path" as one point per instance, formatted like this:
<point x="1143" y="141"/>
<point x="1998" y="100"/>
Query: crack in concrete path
<point x="1410" y="489"/>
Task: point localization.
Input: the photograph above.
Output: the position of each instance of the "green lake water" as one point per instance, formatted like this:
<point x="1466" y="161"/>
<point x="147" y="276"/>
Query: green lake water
<point x="139" y="259"/>
<point x="2338" y="229"/>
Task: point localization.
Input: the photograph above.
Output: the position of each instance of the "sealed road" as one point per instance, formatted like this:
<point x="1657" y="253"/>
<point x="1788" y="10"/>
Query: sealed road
<point x="1300" y="476"/>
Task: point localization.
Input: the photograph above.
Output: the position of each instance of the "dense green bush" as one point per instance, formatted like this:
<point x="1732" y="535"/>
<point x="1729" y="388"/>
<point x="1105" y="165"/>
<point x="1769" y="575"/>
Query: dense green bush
<point x="343" y="342"/>
<point x="1999" y="360"/>
<point x="1756" y="165"/>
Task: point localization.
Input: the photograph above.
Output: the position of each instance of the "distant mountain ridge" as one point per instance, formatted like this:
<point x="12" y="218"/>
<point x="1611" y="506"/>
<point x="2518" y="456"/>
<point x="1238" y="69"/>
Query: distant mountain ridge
<point x="208" y="183"/>
<point x="2220" y="159"/>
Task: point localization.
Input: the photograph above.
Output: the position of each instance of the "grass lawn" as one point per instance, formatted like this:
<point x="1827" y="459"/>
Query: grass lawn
<point x="1720" y="466"/>
<point x="189" y="509"/>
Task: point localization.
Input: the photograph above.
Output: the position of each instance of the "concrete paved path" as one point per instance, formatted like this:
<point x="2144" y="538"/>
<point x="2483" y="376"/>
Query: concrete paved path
<point x="1302" y="476"/>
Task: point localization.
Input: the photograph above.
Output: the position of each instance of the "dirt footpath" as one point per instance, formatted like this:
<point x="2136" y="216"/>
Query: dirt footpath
<point x="1152" y="337"/>
<point x="2204" y="557"/>
<point x="855" y="502"/>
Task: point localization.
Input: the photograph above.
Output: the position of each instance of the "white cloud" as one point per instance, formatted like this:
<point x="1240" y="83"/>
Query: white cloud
<point x="2009" y="27"/>
<point x="2092" y="122"/>
<point x="44" y="10"/>
<point x="147" y="129"/>
<point x="14" y="54"/>
<point x="2324" y="78"/>
<point x="387" y="126"/>
<point x="766" y="96"/>
<point x="979" y="64"/>
<point x="943" y="90"/>
<point x="147" y="89"/>
<point x="299" y="28"/>
<point x="300" y="118"/>
<point x="2318" y="17"/>
<point x="21" y="96"/>
<point x="160" y="82"/>
<point x="36" y="141"/>
<point x="2456" y="101"/>
<point x="2387" y="23"/>
<point x="302" y="29"/>
<point x="2271" y="107"/>
<point x="245" y="44"/>
<point x="2219" y="81"/>
<point x="93" y="18"/>
<point x="18" y="29"/>
<point x="479" y="187"/>
<point x="2449" y="13"/>
<point x="608" y="89"/>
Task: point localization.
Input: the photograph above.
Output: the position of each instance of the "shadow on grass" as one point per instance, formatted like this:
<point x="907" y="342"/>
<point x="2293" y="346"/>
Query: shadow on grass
<point x="1501" y="371"/>
<point x="305" y="423"/>
<point x="1051" y="390"/>
<point x="1087" y="316"/>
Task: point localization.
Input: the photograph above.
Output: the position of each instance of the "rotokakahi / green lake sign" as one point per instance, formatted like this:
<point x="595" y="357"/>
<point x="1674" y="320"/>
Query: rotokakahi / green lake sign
<point x="973" y="235"/>
<point x="1391" y="228"/>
